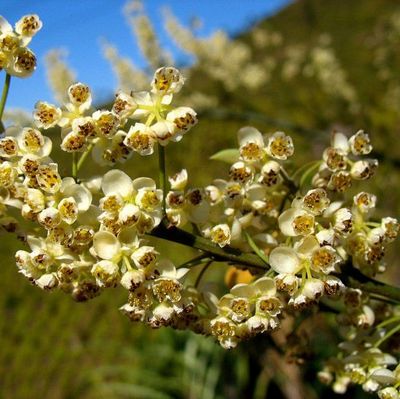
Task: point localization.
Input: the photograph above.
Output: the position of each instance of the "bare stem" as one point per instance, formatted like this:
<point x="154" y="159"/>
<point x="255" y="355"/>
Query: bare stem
<point x="74" y="166"/>
<point x="83" y="157"/>
<point x="162" y="174"/>
<point x="4" y="96"/>
<point x="201" y="274"/>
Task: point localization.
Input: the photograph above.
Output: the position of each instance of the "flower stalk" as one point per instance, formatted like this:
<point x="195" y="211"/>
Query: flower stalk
<point x="162" y="175"/>
<point x="4" y="96"/>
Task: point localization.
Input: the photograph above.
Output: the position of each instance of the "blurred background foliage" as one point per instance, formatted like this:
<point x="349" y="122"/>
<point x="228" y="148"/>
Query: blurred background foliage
<point x="317" y="66"/>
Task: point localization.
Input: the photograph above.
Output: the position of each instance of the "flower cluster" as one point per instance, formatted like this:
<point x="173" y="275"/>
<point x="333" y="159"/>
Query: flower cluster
<point x="90" y="230"/>
<point x="362" y="362"/>
<point x="15" y="57"/>
<point x="250" y="198"/>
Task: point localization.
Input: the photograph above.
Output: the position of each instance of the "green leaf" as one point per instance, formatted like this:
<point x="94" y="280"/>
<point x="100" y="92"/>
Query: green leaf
<point x="230" y="155"/>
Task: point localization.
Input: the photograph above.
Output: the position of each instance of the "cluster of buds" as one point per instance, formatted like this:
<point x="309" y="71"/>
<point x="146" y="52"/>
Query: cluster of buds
<point x="15" y="57"/>
<point x="136" y="122"/>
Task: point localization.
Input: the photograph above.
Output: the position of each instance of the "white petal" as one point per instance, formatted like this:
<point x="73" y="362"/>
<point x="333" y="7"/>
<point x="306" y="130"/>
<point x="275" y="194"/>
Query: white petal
<point x="307" y="246"/>
<point x="46" y="281"/>
<point x="106" y="245"/>
<point x="143" y="182"/>
<point x="383" y="376"/>
<point x="163" y="312"/>
<point x="284" y="260"/>
<point x="265" y="286"/>
<point x="5" y="26"/>
<point x="81" y="195"/>
<point x="250" y="134"/>
<point x="340" y="142"/>
<point x="129" y="237"/>
<point x="166" y="268"/>
<point x="117" y="182"/>
<point x="243" y="290"/>
<point x="285" y="221"/>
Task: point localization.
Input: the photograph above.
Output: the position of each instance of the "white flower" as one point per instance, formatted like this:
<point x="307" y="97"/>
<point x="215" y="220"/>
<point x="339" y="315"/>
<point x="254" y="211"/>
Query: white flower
<point x="240" y="172"/>
<point x="364" y="201"/>
<point x="144" y="256"/>
<point x="179" y="180"/>
<point x="225" y="331"/>
<point x="106" y="123"/>
<point x="80" y="98"/>
<point x="124" y="105"/>
<point x="183" y="119"/>
<point x="221" y="234"/>
<point x="389" y="393"/>
<point x="46" y="115"/>
<point x="308" y="293"/>
<point x="343" y="221"/>
<point x="360" y="143"/>
<point x="106" y="273"/>
<point x="48" y="178"/>
<point x="364" y="169"/>
<point x="167" y="80"/>
<point x="28" y="26"/>
<point x="47" y="281"/>
<point x="316" y="201"/>
<point x="294" y="222"/>
<point x="270" y="174"/>
<point x="81" y="195"/>
<point x="251" y="144"/>
<point x="280" y="146"/>
<point x="132" y="279"/>
<point x="141" y="139"/>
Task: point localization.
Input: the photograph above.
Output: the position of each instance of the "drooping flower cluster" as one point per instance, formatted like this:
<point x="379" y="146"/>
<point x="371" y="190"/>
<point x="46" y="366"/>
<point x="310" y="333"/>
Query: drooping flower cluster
<point x="15" y="57"/>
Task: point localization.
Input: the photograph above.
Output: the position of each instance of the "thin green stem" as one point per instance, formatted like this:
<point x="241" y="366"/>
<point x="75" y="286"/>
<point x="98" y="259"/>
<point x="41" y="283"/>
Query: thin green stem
<point x="391" y="332"/>
<point x="162" y="175"/>
<point x="127" y="263"/>
<point x="4" y="95"/>
<point x="255" y="248"/>
<point x="201" y="274"/>
<point x="195" y="261"/>
<point x="307" y="174"/>
<point x="74" y="166"/>
<point x="303" y="168"/>
<point x="83" y="157"/>
<point x="388" y="321"/>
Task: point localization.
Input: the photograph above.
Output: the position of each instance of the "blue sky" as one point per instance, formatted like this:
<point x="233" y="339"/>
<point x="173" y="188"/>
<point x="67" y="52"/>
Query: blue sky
<point x="78" y="26"/>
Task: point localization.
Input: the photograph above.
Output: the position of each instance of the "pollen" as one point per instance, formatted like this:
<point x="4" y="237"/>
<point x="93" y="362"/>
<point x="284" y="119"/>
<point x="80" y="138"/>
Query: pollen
<point x="251" y="152"/>
<point x="167" y="289"/>
<point x="303" y="224"/>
